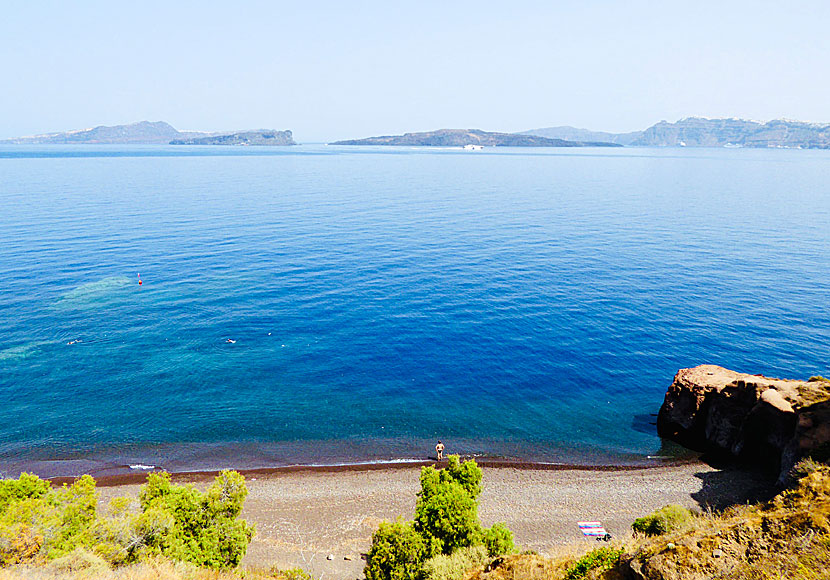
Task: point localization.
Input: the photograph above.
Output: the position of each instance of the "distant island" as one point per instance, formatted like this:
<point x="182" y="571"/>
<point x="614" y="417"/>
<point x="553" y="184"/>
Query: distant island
<point x="688" y="132"/>
<point x="470" y="137"/>
<point x="260" y="137"/>
<point x="155" y="133"/>
<point x="701" y="132"/>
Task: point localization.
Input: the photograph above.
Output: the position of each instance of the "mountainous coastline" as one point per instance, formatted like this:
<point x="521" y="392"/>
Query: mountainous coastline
<point x="701" y="132"/>
<point x="688" y="132"/>
<point x="462" y="137"/>
<point x="697" y="132"/>
<point x="575" y="134"/>
<point x="154" y="133"/>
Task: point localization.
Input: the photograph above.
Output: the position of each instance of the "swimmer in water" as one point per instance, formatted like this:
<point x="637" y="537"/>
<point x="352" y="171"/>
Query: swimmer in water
<point x="231" y="341"/>
<point x="73" y="342"/>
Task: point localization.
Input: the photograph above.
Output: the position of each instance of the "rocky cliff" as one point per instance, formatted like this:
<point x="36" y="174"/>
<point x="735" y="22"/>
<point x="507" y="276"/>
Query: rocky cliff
<point x="772" y="421"/>
<point x="700" y="132"/>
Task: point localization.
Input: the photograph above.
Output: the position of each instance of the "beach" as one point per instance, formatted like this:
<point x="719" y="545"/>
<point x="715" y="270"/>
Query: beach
<point x="305" y="516"/>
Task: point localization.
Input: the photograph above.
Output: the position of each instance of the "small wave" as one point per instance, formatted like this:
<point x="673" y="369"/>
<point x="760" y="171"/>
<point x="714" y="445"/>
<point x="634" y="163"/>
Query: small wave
<point x="141" y="467"/>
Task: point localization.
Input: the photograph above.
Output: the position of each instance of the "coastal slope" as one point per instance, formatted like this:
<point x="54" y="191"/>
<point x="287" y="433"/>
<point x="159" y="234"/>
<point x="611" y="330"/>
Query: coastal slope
<point x="462" y="137"/>
<point x="700" y="132"/>
<point x="703" y="132"/>
<point x="576" y="134"/>
<point x="157" y="132"/>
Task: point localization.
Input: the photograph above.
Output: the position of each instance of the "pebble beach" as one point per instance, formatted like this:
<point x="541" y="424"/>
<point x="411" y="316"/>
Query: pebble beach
<point x="322" y="520"/>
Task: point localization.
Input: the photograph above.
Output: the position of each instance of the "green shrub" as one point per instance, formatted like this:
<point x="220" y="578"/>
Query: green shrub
<point x="599" y="559"/>
<point x="446" y="513"/>
<point x="454" y="566"/>
<point x="498" y="540"/>
<point x="290" y="574"/>
<point x="182" y="523"/>
<point x="37" y="521"/>
<point x="397" y="552"/>
<point x="27" y="486"/>
<point x="667" y="519"/>
<point x="79" y="559"/>
<point x="446" y="523"/>
<point x="818" y="378"/>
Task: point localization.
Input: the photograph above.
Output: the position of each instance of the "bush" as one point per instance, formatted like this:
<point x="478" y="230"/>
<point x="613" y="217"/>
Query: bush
<point x="27" y="486"/>
<point x="599" y="559"/>
<point x="454" y="566"/>
<point x="79" y="559"/>
<point x="498" y="540"/>
<point x="446" y="523"/>
<point x="182" y="523"/>
<point x="818" y="378"/>
<point x="290" y="574"/>
<point x="19" y="543"/>
<point x="446" y="513"/>
<point x="804" y="468"/>
<point x="37" y="521"/>
<point x="397" y="552"/>
<point x="667" y="519"/>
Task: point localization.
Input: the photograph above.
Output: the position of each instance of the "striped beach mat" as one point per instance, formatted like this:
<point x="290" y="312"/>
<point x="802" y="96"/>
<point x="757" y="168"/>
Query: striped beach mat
<point x="593" y="530"/>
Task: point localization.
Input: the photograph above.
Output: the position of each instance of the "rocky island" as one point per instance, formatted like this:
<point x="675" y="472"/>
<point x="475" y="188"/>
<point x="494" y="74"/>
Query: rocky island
<point x="258" y="137"/>
<point x="154" y="133"/>
<point x="463" y="137"/>
<point x="774" y="422"/>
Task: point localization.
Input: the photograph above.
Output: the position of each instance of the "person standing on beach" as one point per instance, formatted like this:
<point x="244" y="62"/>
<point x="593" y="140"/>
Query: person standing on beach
<point x="439" y="450"/>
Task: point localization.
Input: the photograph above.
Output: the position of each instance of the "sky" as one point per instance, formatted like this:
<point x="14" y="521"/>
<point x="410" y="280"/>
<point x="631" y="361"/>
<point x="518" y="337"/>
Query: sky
<point x="346" y="69"/>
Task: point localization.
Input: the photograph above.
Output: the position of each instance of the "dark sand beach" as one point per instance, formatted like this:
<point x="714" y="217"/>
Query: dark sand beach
<point x="305" y="516"/>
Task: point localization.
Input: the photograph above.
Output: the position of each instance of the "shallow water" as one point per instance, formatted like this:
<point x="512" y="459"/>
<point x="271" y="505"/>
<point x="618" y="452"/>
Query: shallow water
<point x="528" y="304"/>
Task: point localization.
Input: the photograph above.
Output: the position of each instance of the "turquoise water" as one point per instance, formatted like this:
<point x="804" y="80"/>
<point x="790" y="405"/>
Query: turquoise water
<point x="520" y="304"/>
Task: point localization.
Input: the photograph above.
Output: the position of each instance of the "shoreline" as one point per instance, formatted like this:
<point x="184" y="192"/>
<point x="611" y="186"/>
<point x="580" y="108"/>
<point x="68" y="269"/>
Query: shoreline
<point x="197" y="476"/>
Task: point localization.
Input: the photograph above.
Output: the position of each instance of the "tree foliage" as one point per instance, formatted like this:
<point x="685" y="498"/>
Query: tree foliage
<point x="183" y="523"/>
<point x="498" y="540"/>
<point x="38" y="522"/>
<point x="446" y="521"/>
<point x="397" y="552"/>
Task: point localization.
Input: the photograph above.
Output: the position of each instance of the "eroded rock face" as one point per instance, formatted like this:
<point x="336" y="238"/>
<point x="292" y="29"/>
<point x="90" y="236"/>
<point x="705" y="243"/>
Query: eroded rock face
<point x="772" y="421"/>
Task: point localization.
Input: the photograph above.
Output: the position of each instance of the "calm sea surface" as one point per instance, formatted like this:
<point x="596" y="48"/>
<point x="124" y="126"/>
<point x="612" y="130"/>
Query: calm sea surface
<point x="525" y="304"/>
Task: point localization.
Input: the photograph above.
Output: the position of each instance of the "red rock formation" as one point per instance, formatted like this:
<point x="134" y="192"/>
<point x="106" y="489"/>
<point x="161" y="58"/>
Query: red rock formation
<point x="772" y="421"/>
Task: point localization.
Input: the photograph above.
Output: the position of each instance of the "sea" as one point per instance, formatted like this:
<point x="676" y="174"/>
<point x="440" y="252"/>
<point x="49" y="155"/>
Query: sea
<point x="324" y="305"/>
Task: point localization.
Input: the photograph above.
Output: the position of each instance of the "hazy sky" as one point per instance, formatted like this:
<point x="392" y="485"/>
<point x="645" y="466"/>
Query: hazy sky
<point x="339" y="69"/>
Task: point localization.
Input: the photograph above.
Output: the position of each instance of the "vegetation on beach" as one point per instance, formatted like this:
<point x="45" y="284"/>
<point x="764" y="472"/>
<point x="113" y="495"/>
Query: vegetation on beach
<point x="597" y="560"/>
<point x="176" y="533"/>
<point x="664" y="520"/>
<point x="39" y="524"/>
<point x="436" y="544"/>
<point x="787" y="537"/>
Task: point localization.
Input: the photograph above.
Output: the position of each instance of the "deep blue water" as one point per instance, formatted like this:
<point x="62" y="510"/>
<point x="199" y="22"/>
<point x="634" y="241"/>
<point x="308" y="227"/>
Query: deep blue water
<point x="528" y="304"/>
